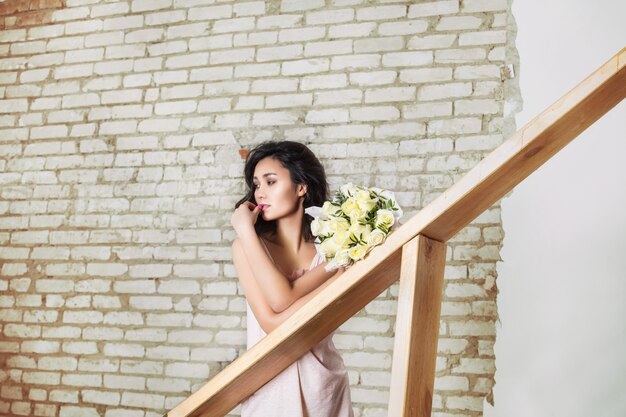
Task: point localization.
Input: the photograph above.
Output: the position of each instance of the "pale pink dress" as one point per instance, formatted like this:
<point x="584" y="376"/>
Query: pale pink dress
<point x="316" y="385"/>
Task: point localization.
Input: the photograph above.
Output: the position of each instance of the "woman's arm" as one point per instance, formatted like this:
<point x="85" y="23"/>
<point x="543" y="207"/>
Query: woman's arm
<point x="268" y="319"/>
<point x="308" y="282"/>
<point x="279" y="292"/>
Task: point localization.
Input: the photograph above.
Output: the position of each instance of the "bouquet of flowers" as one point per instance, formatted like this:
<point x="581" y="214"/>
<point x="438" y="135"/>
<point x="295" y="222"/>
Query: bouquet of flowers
<point x="356" y="220"/>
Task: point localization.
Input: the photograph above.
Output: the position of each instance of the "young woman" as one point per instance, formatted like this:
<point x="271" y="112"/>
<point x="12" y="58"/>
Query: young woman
<point x="280" y="270"/>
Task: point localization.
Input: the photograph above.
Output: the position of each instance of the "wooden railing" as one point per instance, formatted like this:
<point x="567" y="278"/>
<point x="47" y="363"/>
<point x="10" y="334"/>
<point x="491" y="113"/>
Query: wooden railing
<point x="415" y="252"/>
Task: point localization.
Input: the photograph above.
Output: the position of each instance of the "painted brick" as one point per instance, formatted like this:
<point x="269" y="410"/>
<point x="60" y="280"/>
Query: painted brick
<point x="121" y="129"/>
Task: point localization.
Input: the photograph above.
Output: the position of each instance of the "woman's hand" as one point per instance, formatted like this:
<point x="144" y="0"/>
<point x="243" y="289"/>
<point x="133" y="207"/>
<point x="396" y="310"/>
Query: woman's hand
<point x="244" y="217"/>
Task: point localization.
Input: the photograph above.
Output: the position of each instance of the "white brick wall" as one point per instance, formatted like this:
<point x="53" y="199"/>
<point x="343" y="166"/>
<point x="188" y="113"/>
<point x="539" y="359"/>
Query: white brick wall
<point x="120" y="130"/>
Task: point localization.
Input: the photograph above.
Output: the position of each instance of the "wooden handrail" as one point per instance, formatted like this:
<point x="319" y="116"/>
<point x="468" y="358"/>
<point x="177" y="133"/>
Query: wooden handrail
<point x="480" y="188"/>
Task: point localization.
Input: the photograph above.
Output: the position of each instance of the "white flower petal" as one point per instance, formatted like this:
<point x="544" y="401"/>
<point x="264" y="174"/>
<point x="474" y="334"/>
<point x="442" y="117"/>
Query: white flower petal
<point x="313" y="211"/>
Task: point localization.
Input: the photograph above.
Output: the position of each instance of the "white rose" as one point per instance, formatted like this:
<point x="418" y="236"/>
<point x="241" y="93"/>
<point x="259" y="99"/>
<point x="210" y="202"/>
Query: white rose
<point x="342" y="237"/>
<point x="357" y="214"/>
<point x="342" y="258"/>
<point x="325" y="229"/>
<point x="349" y="205"/>
<point x="361" y="231"/>
<point x="384" y="217"/>
<point x="329" y="209"/>
<point x="364" y="200"/>
<point x="388" y="195"/>
<point x="321" y="227"/>
<point x="338" y="223"/>
<point x="377" y="237"/>
<point x="348" y="189"/>
<point x="329" y="248"/>
<point x="315" y="227"/>
<point x="358" y="252"/>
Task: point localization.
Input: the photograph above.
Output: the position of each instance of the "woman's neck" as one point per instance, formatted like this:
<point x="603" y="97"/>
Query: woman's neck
<point x="288" y="234"/>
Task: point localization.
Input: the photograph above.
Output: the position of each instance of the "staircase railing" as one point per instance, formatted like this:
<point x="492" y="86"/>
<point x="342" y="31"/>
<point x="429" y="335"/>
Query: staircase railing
<point x="415" y="252"/>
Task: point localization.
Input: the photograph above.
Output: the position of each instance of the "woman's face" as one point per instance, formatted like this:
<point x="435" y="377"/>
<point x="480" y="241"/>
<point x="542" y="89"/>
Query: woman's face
<point x="274" y="188"/>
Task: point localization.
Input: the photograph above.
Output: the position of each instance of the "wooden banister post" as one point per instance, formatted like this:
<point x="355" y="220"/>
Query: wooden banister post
<point x="417" y="328"/>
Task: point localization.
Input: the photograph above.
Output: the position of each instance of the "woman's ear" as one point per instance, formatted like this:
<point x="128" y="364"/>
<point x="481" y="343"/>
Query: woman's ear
<point x="302" y="189"/>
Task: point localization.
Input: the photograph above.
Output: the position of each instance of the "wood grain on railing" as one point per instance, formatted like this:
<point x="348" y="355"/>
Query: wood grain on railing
<point x="417" y="327"/>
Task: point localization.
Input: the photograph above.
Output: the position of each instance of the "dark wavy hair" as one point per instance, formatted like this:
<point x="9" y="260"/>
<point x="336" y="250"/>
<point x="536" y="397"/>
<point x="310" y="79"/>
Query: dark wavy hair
<point x="304" y="168"/>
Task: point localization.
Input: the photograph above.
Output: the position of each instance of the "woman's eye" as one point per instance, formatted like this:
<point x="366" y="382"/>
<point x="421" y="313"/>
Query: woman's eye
<point x="269" y="182"/>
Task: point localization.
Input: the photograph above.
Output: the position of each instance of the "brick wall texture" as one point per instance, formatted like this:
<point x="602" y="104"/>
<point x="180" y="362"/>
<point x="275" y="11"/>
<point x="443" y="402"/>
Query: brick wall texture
<point x="121" y="125"/>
